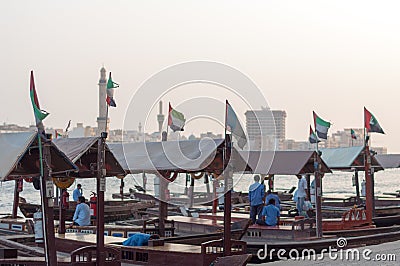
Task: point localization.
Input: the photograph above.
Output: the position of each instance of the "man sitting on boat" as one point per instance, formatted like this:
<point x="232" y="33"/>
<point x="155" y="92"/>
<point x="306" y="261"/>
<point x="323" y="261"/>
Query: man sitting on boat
<point x="256" y="198"/>
<point x="82" y="213"/>
<point x="139" y="239"/>
<point x="271" y="195"/>
<point x="270" y="214"/>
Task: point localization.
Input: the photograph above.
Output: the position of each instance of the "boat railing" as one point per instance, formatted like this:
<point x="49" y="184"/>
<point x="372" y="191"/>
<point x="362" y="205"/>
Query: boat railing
<point x="238" y="247"/>
<point x="152" y="227"/>
<point x="84" y="256"/>
<point x="303" y="224"/>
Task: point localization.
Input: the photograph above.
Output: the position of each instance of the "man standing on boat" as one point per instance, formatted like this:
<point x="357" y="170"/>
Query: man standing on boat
<point x="82" y="213"/>
<point x="77" y="192"/>
<point x="256" y="198"/>
<point x="301" y="194"/>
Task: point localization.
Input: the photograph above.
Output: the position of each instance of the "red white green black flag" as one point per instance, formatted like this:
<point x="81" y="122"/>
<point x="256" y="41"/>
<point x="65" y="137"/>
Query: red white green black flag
<point x="321" y="126"/>
<point x="40" y="115"/>
<point x="370" y="122"/>
<point x="176" y="120"/>
<point x="312" y="137"/>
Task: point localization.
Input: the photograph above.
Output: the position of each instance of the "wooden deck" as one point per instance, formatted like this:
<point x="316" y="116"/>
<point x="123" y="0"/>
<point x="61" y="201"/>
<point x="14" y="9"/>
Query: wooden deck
<point x="196" y="225"/>
<point x="166" y="254"/>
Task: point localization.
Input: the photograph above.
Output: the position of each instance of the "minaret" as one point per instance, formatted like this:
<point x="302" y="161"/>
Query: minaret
<point x="160" y="118"/>
<point x="101" y="119"/>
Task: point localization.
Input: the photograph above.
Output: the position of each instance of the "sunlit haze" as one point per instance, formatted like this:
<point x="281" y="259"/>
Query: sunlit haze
<point x="332" y="57"/>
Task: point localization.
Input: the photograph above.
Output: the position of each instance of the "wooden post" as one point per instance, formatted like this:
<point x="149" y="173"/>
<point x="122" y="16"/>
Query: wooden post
<point x="47" y="194"/>
<point x="368" y="182"/>
<point x="16" y="200"/>
<point x="373" y="191"/>
<point x="101" y="187"/>
<point x="215" y="201"/>
<point x="61" y="209"/>
<point x="121" y="189"/>
<point x="163" y="205"/>
<point x="357" y="181"/>
<point x="308" y="186"/>
<point x="191" y="192"/>
<point x="318" y="191"/>
<point x="227" y="213"/>
<point x="207" y="182"/>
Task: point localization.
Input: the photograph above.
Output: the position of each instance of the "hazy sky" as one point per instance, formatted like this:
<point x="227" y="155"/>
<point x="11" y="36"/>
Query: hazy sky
<point x="334" y="57"/>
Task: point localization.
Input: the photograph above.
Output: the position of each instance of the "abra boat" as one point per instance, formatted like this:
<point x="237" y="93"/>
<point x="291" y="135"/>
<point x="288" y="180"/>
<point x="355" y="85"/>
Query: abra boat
<point x="113" y="210"/>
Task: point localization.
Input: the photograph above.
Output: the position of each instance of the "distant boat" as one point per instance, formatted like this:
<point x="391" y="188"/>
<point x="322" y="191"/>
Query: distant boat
<point x="113" y="210"/>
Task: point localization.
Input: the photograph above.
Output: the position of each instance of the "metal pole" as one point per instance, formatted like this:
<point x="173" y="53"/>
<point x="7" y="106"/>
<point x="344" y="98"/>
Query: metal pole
<point x="16" y="200"/>
<point x="47" y="193"/>
<point x="101" y="187"/>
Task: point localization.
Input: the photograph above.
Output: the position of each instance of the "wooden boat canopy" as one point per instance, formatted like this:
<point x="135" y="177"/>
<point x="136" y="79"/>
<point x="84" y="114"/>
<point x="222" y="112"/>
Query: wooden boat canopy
<point x="83" y="152"/>
<point x="388" y="160"/>
<point x="186" y="156"/>
<point x="281" y="162"/>
<point x="348" y="158"/>
<point x="19" y="153"/>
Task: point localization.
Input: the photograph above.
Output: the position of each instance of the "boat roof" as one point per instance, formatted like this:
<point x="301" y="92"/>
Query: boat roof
<point x="19" y="156"/>
<point x="83" y="152"/>
<point x="347" y="158"/>
<point x="282" y="162"/>
<point x="388" y="160"/>
<point x="178" y="156"/>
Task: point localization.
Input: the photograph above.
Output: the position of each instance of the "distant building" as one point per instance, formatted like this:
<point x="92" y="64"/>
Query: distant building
<point x="102" y="119"/>
<point x="265" y="128"/>
<point x="210" y="135"/>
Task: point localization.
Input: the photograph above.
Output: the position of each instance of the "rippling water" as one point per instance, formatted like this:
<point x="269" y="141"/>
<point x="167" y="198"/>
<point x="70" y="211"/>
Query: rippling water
<point x="336" y="184"/>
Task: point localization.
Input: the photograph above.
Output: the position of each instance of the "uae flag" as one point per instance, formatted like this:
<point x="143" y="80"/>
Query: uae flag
<point x="176" y="120"/>
<point x="370" y="122"/>
<point x="111" y="85"/>
<point x="321" y="126"/>
<point x="39" y="114"/>
<point x="313" y="138"/>
<point x="353" y="134"/>
<point x="232" y="124"/>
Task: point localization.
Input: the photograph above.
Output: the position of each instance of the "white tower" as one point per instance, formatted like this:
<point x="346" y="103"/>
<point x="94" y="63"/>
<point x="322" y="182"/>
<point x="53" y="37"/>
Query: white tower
<point x="102" y="119"/>
<point x="160" y="118"/>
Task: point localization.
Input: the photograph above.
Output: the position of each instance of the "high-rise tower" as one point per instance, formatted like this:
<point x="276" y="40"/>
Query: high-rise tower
<point x="160" y="118"/>
<point x="102" y="119"/>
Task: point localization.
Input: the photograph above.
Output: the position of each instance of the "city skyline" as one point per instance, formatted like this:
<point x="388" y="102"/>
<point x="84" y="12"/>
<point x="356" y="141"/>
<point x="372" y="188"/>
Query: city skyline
<point x="333" y="58"/>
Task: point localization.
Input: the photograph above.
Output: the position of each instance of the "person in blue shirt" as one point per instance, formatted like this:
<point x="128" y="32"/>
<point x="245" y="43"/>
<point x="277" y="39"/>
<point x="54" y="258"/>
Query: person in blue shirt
<point x="139" y="239"/>
<point x="256" y="198"/>
<point x="77" y="192"/>
<point x="270" y="214"/>
<point x="82" y="213"/>
<point x="271" y="195"/>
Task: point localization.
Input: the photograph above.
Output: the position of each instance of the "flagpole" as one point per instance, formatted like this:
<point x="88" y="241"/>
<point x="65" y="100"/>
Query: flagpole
<point x="317" y="188"/>
<point x="227" y="195"/>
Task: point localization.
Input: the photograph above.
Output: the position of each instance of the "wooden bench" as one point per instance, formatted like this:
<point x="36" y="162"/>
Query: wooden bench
<point x="297" y="230"/>
<point x="179" y="254"/>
